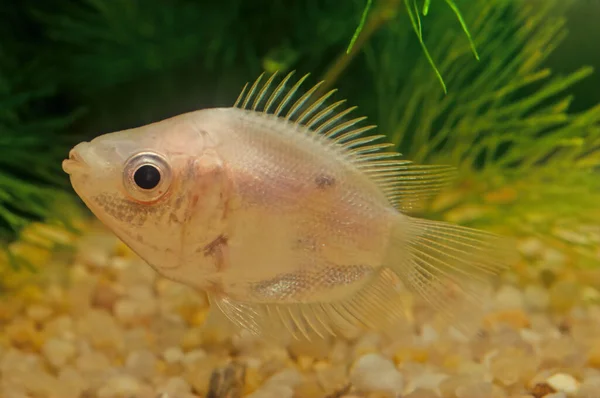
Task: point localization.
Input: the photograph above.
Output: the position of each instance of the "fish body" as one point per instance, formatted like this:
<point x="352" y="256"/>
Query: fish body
<point x="289" y="221"/>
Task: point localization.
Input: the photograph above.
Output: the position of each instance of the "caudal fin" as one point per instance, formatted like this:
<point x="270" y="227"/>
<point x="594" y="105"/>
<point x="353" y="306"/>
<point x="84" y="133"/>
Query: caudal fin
<point x="449" y="267"/>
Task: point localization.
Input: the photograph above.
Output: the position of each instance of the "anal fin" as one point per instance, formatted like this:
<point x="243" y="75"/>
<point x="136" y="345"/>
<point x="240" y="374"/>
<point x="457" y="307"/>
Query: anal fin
<point x="378" y="305"/>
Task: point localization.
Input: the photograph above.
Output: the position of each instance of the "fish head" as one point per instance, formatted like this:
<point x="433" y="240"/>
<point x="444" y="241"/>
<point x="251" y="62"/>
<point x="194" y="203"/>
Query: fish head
<point x="153" y="186"/>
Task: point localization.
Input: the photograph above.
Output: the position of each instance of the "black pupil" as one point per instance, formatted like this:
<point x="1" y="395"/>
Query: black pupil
<point x="147" y="177"/>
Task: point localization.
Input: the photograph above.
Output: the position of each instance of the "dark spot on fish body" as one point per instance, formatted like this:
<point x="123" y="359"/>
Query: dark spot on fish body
<point x="212" y="248"/>
<point x="324" y="181"/>
<point x="179" y="201"/>
<point x="173" y="218"/>
<point x="194" y="200"/>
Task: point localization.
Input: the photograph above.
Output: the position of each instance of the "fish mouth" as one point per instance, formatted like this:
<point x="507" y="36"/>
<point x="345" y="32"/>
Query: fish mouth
<point x="74" y="162"/>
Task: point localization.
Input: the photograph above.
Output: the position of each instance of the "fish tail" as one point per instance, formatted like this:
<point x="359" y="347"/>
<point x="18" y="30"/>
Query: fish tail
<point x="449" y="267"/>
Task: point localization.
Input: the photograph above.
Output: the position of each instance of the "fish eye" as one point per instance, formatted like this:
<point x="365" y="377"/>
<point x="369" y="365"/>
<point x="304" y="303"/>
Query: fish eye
<point x="147" y="176"/>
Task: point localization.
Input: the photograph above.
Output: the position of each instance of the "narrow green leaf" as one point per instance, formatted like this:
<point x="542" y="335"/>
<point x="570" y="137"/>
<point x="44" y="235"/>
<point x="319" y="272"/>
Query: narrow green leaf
<point x="416" y="24"/>
<point x="452" y="5"/>
<point x="426" y="7"/>
<point x="361" y="25"/>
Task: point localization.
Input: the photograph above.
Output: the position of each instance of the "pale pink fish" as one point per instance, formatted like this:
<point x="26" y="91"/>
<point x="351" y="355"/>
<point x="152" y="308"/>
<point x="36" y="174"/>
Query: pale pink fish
<point x="285" y="213"/>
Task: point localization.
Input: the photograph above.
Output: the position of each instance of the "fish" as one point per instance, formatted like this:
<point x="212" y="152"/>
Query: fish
<point x="292" y="216"/>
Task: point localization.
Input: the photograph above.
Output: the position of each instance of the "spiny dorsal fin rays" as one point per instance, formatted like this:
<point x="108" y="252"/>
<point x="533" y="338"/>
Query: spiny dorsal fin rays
<point x="262" y="92"/>
<point x="322" y="129"/>
<point x="298" y="104"/>
<point x="402" y="182"/>
<point x="239" y="98"/>
<point x="314" y="107"/>
<point x="319" y="116"/>
<point x="290" y="94"/>
<point x="252" y="90"/>
<point x="277" y="92"/>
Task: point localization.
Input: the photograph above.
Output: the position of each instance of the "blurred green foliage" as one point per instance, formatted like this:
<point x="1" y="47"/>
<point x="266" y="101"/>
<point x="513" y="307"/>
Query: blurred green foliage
<point x="74" y="70"/>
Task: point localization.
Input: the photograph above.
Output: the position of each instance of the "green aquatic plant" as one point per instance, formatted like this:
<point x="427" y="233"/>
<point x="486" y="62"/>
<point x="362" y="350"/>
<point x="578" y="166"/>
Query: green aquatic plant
<point x="30" y="173"/>
<point x="413" y="12"/>
<point x="505" y="121"/>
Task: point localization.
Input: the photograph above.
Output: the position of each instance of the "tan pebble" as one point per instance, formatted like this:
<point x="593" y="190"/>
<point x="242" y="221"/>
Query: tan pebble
<point x="304" y="362"/>
<point x="120" y="386"/>
<point x="421" y="393"/>
<point x="515" y="318"/>
<point x="541" y="390"/>
<point x="564" y="382"/>
<point x="192" y="338"/>
<point x="163" y="367"/>
<point x="58" y="352"/>
<point x="173" y="355"/>
<point x="199" y="317"/>
<point x="530" y="247"/>
<point x="452" y="361"/>
<point x="175" y="387"/>
<point x="309" y="388"/>
<point x="512" y="365"/>
<point x="126" y="311"/>
<point x="332" y="379"/>
<point x="253" y="380"/>
<point x="39" y="312"/>
<point x="381" y="394"/>
<point x="412" y="354"/>
<point x="92" y="362"/>
<point x="141" y="364"/>
<point x="104" y="296"/>
<point x="564" y="295"/>
<point x="9" y="309"/>
<point x="315" y="348"/>
<point x="72" y="382"/>
<point x="198" y="375"/>
<point x="23" y="334"/>
<point x="593" y="358"/>
<point x="30" y="294"/>
<point x="95" y="320"/>
<point x="590" y="294"/>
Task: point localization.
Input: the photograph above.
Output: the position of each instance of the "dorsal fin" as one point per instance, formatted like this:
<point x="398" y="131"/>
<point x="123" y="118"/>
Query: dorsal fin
<point x="404" y="183"/>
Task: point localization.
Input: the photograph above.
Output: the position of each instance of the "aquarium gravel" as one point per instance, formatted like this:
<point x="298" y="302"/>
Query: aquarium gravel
<point x="103" y="324"/>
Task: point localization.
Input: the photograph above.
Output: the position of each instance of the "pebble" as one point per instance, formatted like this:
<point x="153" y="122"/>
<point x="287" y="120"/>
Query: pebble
<point x="476" y="389"/>
<point x="141" y="364"/>
<point x="590" y="388"/>
<point x="425" y="381"/>
<point x="508" y="298"/>
<point x="373" y="372"/>
<point x="38" y="312"/>
<point x="556" y="395"/>
<point x="58" y="352"/>
<point x="563" y="382"/>
<point x="536" y="298"/>
<point x="173" y="355"/>
<point x="72" y="382"/>
<point x="121" y="386"/>
<point x="119" y="330"/>
<point x="175" y="386"/>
